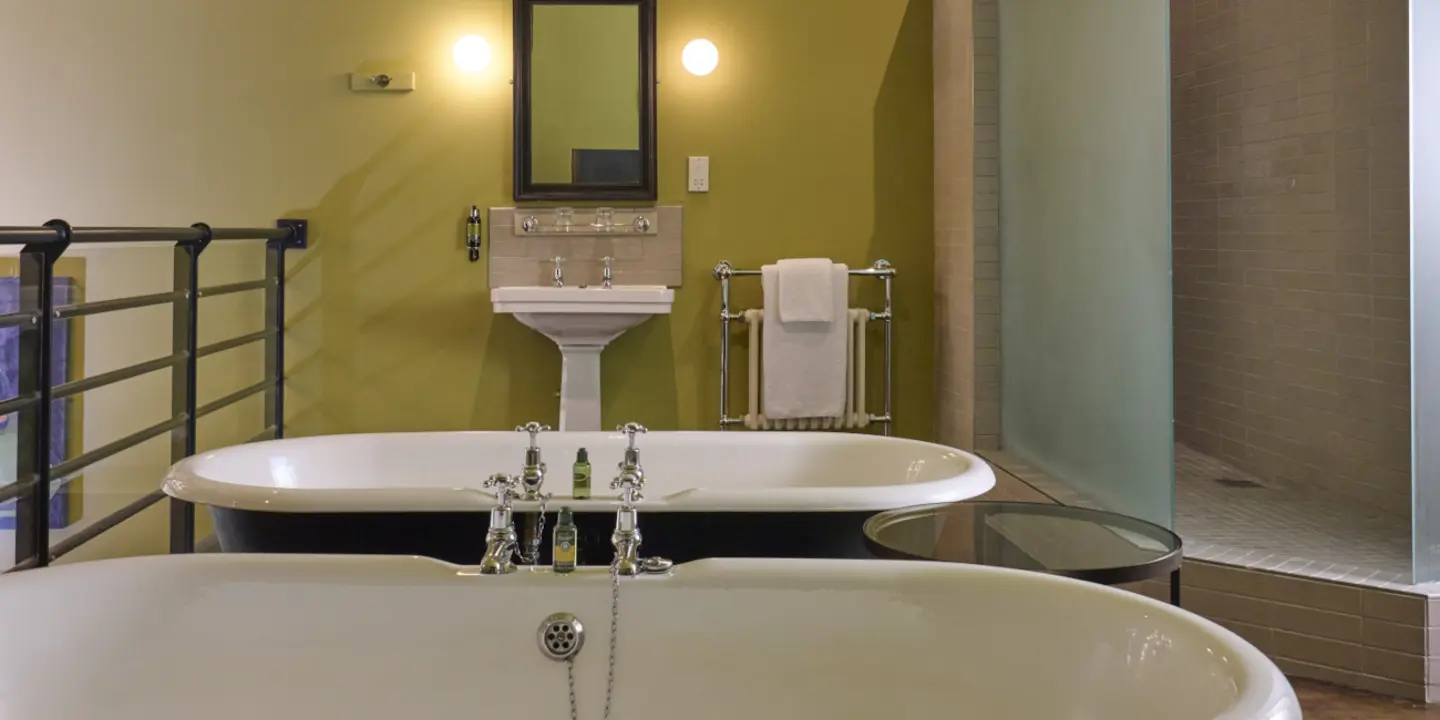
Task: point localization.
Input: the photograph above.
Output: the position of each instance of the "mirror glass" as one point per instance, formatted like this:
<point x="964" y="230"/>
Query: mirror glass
<point x="585" y="100"/>
<point x="585" y="95"/>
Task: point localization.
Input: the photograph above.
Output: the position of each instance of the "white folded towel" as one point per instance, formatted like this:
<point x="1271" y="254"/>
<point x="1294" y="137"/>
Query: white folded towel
<point x="804" y="362"/>
<point x="807" y="290"/>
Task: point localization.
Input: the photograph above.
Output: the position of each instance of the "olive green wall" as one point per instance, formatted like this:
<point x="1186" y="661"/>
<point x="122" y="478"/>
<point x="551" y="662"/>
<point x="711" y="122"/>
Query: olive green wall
<point x="819" y="144"/>
<point x="584" y="93"/>
<point x="817" y="123"/>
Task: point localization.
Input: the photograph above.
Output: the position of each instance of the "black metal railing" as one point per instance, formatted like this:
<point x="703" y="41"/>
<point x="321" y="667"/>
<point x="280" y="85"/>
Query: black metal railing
<point x="35" y="474"/>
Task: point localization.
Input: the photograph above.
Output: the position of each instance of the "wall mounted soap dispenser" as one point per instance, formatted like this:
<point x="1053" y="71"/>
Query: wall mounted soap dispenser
<point x="472" y="234"/>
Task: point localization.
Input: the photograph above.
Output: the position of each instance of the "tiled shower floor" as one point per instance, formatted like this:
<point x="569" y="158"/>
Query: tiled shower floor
<point x="1228" y="516"/>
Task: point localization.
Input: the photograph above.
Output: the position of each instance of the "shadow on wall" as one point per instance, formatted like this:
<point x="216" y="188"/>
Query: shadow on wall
<point x="904" y="140"/>
<point x="656" y="405"/>
<point x="381" y="334"/>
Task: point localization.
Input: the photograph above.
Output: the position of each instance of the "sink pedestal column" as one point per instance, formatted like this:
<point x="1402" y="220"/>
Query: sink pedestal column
<point x="582" y="321"/>
<point x="580" y="387"/>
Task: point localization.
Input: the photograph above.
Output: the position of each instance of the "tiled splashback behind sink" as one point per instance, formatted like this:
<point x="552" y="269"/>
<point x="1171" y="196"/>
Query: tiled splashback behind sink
<point x="651" y="259"/>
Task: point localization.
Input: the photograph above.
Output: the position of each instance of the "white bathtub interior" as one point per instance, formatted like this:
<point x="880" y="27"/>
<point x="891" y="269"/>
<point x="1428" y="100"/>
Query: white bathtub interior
<point x="234" y="637"/>
<point x="679" y="467"/>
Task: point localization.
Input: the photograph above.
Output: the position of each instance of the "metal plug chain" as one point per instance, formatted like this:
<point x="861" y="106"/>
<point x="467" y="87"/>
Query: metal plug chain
<point x="530" y="553"/>
<point x="614" y="631"/>
<point x="614" y="626"/>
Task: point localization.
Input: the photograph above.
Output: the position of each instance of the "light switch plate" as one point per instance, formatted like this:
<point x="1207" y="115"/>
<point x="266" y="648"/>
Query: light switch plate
<point x="699" y="174"/>
<point x="382" y="82"/>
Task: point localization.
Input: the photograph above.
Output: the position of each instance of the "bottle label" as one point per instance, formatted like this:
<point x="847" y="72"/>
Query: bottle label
<point x="565" y="552"/>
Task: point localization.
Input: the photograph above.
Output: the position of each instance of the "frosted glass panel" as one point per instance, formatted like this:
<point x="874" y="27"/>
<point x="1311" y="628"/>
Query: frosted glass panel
<point x="1086" y="361"/>
<point x="1425" y="288"/>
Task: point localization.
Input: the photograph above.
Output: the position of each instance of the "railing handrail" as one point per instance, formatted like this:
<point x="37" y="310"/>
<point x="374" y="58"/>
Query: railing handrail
<point x="41" y="247"/>
<point x="292" y="231"/>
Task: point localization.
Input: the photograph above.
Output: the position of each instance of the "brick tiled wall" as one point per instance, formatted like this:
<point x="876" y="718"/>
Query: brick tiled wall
<point x="987" y="224"/>
<point x="1291" y="240"/>
<point x="520" y="260"/>
<point x="967" y="222"/>
<point x="954" y="224"/>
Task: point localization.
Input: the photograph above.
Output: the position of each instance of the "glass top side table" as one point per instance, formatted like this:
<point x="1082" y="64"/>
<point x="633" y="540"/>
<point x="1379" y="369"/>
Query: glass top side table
<point x="1092" y="545"/>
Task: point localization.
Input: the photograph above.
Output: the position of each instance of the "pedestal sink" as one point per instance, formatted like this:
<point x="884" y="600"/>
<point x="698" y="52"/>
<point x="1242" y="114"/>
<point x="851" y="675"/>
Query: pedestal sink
<point x="582" y="321"/>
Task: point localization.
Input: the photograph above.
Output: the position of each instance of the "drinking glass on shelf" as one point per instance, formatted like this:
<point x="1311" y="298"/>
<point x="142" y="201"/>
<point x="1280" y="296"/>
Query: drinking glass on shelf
<point x="564" y="218"/>
<point x="605" y="218"/>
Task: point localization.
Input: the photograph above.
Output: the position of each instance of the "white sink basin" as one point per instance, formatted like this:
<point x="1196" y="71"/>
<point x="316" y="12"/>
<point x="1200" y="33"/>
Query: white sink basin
<point x="582" y="316"/>
<point x="582" y="321"/>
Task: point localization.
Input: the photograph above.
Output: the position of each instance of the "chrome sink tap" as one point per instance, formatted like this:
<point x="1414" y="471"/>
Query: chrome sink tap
<point x="559" y="280"/>
<point x="533" y="475"/>
<point x="607" y="276"/>
<point x="629" y="482"/>
<point x="500" y="539"/>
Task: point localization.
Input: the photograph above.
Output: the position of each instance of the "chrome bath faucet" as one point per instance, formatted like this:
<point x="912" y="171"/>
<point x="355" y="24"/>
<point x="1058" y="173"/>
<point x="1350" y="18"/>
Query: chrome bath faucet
<point x="629" y="482"/>
<point x="533" y="474"/>
<point x="500" y="539"/>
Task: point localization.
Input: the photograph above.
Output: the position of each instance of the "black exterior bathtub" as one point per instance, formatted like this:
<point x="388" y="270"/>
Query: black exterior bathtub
<point x="459" y="537"/>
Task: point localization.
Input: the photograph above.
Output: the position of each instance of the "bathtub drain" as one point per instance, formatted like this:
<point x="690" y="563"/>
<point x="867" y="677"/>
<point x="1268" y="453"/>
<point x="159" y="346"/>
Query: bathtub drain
<point x="561" y="636"/>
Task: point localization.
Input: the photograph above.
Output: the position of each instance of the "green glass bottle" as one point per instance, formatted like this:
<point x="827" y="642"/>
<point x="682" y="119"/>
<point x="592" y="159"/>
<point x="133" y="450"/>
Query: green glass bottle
<point x="566" y="542"/>
<point x="581" y="490"/>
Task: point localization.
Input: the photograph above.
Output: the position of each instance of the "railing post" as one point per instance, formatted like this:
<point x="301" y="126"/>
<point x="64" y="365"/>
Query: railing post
<point x="184" y="338"/>
<point x="37" y="295"/>
<point x="275" y="343"/>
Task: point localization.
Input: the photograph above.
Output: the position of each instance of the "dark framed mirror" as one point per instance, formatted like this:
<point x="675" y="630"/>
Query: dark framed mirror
<point x="585" y="100"/>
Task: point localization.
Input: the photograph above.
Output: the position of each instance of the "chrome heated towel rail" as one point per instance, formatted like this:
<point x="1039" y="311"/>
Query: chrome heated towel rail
<point x="881" y="270"/>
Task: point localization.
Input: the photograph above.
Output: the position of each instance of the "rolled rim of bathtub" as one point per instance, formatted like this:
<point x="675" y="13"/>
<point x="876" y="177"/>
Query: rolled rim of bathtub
<point x="922" y="473"/>
<point x="1262" y="692"/>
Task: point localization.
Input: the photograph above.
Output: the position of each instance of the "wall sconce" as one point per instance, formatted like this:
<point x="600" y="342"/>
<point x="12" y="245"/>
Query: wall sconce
<point x="700" y="57"/>
<point x="472" y="53"/>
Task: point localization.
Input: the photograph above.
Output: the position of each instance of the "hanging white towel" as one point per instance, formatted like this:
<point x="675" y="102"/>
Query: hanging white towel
<point x="807" y="290"/>
<point x="804" y="362"/>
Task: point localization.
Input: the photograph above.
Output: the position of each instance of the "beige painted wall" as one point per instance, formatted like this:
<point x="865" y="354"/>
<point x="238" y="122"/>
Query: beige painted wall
<point x="237" y="112"/>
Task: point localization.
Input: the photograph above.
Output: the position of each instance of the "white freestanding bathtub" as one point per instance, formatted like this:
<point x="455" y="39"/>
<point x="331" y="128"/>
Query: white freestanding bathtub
<point x="707" y="494"/>
<point x="239" y="637"/>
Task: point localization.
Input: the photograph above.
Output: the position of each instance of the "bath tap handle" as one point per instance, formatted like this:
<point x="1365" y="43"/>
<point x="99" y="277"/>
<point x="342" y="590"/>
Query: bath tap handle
<point x="506" y="487"/>
<point x="630" y="478"/>
<point x="630" y="430"/>
<point x="534" y="428"/>
<point x="630" y="496"/>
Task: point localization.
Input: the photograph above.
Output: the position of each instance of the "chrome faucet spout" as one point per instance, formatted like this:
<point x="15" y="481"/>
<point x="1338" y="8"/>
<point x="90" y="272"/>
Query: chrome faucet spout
<point x="626" y="540"/>
<point x="559" y="280"/>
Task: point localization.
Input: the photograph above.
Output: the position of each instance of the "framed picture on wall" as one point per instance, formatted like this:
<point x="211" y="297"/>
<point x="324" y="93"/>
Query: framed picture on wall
<point x="60" y="492"/>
